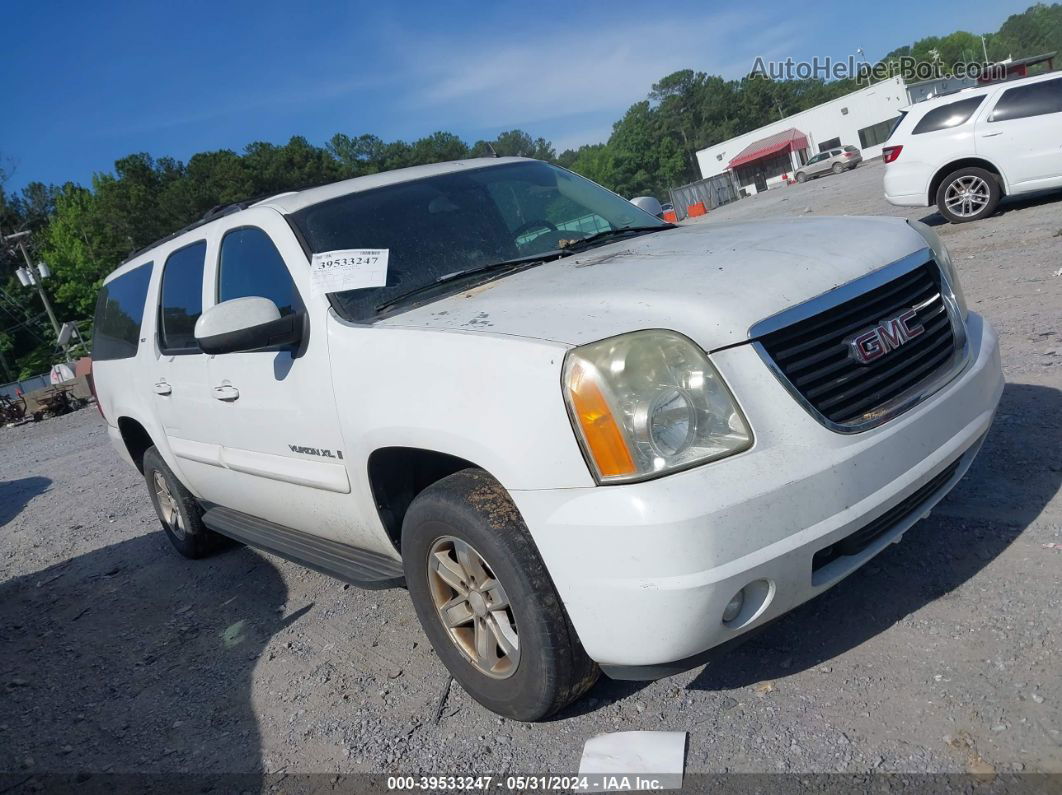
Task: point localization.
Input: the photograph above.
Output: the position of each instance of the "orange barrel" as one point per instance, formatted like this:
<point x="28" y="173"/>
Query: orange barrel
<point x="696" y="209"/>
<point x="671" y="217"/>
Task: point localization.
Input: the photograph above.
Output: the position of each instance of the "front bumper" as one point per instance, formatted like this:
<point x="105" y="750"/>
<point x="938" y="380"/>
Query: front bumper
<point x="645" y="570"/>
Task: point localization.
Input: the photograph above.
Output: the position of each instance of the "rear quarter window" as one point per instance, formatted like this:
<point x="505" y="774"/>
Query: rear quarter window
<point x="119" y="314"/>
<point x="947" y="116"/>
<point x="896" y="124"/>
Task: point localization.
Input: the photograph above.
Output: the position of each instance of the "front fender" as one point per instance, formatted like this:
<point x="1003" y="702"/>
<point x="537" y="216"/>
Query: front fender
<point x="492" y="399"/>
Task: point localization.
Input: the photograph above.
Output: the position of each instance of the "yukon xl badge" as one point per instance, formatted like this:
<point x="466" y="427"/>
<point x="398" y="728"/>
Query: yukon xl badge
<point x="871" y="344"/>
<point x="296" y="448"/>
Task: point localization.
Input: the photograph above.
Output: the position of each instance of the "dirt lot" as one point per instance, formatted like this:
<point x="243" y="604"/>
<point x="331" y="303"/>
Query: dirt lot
<point x="941" y="655"/>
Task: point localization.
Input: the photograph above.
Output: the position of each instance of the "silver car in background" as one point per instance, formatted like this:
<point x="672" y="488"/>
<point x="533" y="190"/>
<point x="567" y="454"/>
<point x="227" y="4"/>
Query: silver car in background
<point x="832" y="161"/>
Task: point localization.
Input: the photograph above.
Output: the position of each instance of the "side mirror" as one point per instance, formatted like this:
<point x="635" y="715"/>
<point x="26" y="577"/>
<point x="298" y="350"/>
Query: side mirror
<point x="650" y="204"/>
<point x="246" y="324"/>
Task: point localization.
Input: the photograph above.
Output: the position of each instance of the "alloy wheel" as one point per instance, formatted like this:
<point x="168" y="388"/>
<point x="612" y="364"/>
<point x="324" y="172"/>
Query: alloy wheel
<point x="168" y="510"/>
<point x="967" y="196"/>
<point x="473" y="607"/>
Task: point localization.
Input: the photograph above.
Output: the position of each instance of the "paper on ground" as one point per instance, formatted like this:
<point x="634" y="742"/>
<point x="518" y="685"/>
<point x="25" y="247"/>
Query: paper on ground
<point x="348" y="269"/>
<point x="636" y="753"/>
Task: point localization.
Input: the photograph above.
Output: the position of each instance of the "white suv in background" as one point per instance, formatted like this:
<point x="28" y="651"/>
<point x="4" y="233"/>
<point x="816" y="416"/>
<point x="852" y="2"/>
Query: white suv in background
<point x="965" y="151"/>
<point x="584" y="439"/>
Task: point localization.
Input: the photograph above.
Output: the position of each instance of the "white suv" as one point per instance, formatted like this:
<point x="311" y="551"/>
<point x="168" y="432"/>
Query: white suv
<point x="965" y="151"/>
<point x="582" y="437"/>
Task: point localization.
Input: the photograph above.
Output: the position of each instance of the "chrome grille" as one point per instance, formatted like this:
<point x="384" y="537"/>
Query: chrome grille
<point x="811" y="354"/>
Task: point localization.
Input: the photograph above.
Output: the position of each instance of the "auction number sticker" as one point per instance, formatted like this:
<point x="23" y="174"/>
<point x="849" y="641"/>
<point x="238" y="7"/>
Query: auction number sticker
<point x="348" y="269"/>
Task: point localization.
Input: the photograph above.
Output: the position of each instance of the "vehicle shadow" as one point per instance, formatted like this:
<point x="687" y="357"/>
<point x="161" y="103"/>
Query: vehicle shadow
<point x="1007" y="205"/>
<point x="131" y="659"/>
<point x="936" y="556"/>
<point x="15" y="494"/>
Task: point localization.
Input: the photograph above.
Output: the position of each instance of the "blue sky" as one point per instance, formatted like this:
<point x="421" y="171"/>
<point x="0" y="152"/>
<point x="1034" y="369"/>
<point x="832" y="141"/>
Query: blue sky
<point x="86" y="83"/>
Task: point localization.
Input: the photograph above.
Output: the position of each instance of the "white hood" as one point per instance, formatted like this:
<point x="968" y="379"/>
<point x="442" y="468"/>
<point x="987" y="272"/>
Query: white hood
<point x="710" y="282"/>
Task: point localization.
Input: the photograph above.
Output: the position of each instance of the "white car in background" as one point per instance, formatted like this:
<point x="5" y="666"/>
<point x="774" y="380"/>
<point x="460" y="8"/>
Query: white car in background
<point x="965" y="151"/>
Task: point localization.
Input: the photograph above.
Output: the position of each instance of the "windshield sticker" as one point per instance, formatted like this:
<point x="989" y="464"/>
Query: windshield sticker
<point x="348" y="269"/>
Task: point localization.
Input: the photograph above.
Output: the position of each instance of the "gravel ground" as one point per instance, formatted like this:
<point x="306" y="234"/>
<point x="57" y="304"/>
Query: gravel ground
<point x="939" y="656"/>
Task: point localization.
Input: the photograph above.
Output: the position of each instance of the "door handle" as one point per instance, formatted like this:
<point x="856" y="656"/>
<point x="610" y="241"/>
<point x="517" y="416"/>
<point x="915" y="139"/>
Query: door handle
<point x="225" y="392"/>
<point x="162" y="388"/>
<point x="991" y="134"/>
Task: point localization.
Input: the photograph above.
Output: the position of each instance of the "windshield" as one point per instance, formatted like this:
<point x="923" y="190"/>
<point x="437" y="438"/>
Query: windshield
<point x="438" y="226"/>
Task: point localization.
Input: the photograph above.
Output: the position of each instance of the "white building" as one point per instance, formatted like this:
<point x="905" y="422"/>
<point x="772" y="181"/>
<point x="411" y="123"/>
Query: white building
<point x="862" y="118"/>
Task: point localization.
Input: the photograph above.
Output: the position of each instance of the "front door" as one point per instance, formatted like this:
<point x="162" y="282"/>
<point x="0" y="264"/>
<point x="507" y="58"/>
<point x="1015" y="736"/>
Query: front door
<point x="275" y="410"/>
<point x="816" y="164"/>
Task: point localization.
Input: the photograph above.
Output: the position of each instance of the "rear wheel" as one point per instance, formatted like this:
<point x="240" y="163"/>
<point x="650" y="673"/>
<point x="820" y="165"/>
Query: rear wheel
<point x="968" y="194"/>
<point x="837" y="168"/>
<point x="179" y="513"/>
<point x="486" y="601"/>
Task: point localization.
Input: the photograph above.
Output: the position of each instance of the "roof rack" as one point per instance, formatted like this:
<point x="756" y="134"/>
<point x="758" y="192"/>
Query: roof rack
<point x="218" y="211"/>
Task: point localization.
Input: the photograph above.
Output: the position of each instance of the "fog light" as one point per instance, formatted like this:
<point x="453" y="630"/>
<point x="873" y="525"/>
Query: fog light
<point x="734" y="607"/>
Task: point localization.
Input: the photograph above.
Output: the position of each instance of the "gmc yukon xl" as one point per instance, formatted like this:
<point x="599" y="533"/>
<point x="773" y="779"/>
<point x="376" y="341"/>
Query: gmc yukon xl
<point x="584" y="439"/>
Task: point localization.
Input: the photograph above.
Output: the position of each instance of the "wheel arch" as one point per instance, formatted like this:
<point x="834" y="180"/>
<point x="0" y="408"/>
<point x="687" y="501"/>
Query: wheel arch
<point x="955" y="165"/>
<point x="136" y="438"/>
<point x="398" y="474"/>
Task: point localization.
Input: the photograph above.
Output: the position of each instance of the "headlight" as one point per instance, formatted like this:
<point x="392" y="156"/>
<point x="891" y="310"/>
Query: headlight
<point x="943" y="258"/>
<point x="647" y="403"/>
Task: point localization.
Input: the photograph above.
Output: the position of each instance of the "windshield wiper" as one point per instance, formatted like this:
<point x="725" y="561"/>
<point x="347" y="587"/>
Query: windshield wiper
<point x="612" y="233"/>
<point x="517" y="263"/>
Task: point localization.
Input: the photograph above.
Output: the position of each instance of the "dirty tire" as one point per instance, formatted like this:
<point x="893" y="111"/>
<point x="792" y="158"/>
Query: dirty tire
<point x="801" y="177"/>
<point x="188" y="535"/>
<point x="837" y="168"/>
<point x="553" y="670"/>
<point x="977" y="177"/>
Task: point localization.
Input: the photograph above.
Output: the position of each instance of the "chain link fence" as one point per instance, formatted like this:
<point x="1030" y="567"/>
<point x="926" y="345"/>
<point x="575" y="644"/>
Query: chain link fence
<point x="712" y="192"/>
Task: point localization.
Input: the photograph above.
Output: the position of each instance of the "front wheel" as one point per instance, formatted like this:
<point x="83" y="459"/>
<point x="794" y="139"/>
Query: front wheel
<point x="802" y="177"/>
<point x="968" y="194"/>
<point x="486" y="601"/>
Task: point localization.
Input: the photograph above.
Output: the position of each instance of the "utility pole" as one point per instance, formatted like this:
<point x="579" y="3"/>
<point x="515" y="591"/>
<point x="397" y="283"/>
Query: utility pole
<point x="31" y="276"/>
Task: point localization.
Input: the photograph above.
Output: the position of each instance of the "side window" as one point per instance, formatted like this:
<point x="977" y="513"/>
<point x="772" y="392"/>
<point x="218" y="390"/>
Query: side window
<point x="181" y="301"/>
<point x="947" y="116"/>
<point x="251" y="265"/>
<point x="1021" y="102"/>
<point x="119" y="312"/>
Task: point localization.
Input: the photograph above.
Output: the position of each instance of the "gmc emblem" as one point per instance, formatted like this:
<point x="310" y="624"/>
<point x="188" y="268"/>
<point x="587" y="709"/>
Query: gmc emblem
<point x="870" y="345"/>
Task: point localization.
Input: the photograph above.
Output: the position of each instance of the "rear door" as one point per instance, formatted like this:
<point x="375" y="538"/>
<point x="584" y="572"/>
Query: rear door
<point x="1022" y="133"/>
<point x="177" y="379"/>
<point x="274" y="408"/>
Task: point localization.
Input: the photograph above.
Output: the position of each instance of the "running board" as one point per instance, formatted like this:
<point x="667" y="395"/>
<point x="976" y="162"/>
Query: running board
<point x="349" y="564"/>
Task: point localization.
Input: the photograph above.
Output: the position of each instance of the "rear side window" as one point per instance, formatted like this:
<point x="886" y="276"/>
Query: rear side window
<point x="181" y="301"/>
<point x="1021" y="102"/>
<point x="119" y="312"/>
<point x="947" y="116"/>
<point x="251" y="266"/>
<point x="898" y="121"/>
